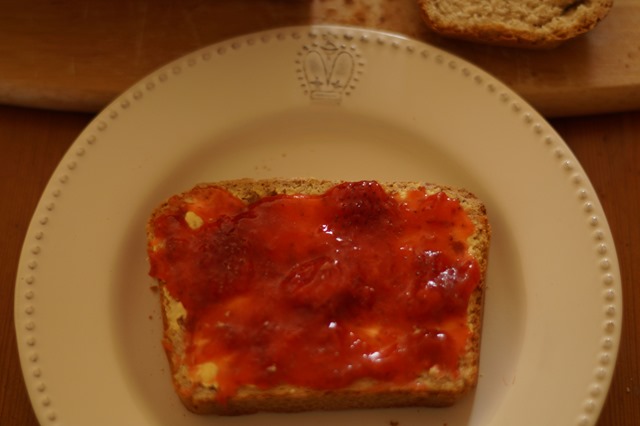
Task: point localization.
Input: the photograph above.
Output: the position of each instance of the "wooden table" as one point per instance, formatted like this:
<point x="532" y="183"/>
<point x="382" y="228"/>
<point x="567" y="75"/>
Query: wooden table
<point x="32" y="141"/>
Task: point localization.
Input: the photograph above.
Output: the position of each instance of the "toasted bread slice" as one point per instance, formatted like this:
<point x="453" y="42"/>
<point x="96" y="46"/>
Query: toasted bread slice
<point x="212" y="380"/>
<point x="530" y="24"/>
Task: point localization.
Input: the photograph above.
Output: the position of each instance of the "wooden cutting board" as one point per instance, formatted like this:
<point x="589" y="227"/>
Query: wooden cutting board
<point x="79" y="55"/>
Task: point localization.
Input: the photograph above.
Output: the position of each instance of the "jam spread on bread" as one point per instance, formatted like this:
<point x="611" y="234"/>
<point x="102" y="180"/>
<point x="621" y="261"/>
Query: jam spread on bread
<point x="318" y="291"/>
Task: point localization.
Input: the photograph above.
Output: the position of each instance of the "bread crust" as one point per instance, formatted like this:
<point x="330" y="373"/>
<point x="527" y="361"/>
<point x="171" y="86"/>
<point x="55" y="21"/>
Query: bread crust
<point x="440" y="388"/>
<point x="497" y="31"/>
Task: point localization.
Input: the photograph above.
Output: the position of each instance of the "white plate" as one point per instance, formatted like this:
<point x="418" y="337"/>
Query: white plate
<point x="328" y="102"/>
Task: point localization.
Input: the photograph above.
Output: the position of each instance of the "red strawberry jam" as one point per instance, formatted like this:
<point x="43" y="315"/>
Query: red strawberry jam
<point x="322" y="290"/>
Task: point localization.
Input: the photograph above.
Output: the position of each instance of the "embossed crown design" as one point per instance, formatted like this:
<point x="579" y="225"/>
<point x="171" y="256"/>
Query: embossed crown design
<point x="328" y="70"/>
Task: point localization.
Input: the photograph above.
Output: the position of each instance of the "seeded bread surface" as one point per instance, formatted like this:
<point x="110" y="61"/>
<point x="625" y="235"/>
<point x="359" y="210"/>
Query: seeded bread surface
<point x="526" y="23"/>
<point x="441" y="388"/>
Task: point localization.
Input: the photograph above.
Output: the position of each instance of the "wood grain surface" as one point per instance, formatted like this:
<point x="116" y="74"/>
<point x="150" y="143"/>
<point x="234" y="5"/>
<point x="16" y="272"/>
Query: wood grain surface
<point x="78" y="55"/>
<point x="33" y="141"/>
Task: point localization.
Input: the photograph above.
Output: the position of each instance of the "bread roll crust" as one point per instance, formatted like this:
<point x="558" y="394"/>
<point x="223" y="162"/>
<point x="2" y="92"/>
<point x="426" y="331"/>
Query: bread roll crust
<point x="531" y="24"/>
<point x="439" y="387"/>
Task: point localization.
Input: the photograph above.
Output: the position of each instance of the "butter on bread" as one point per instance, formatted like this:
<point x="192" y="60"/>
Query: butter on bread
<point x="197" y="384"/>
<point x="529" y="23"/>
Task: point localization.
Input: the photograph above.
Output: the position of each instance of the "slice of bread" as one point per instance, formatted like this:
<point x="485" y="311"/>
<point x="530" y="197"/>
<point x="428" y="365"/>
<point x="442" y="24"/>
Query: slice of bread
<point x="527" y="23"/>
<point x="200" y="381"/>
